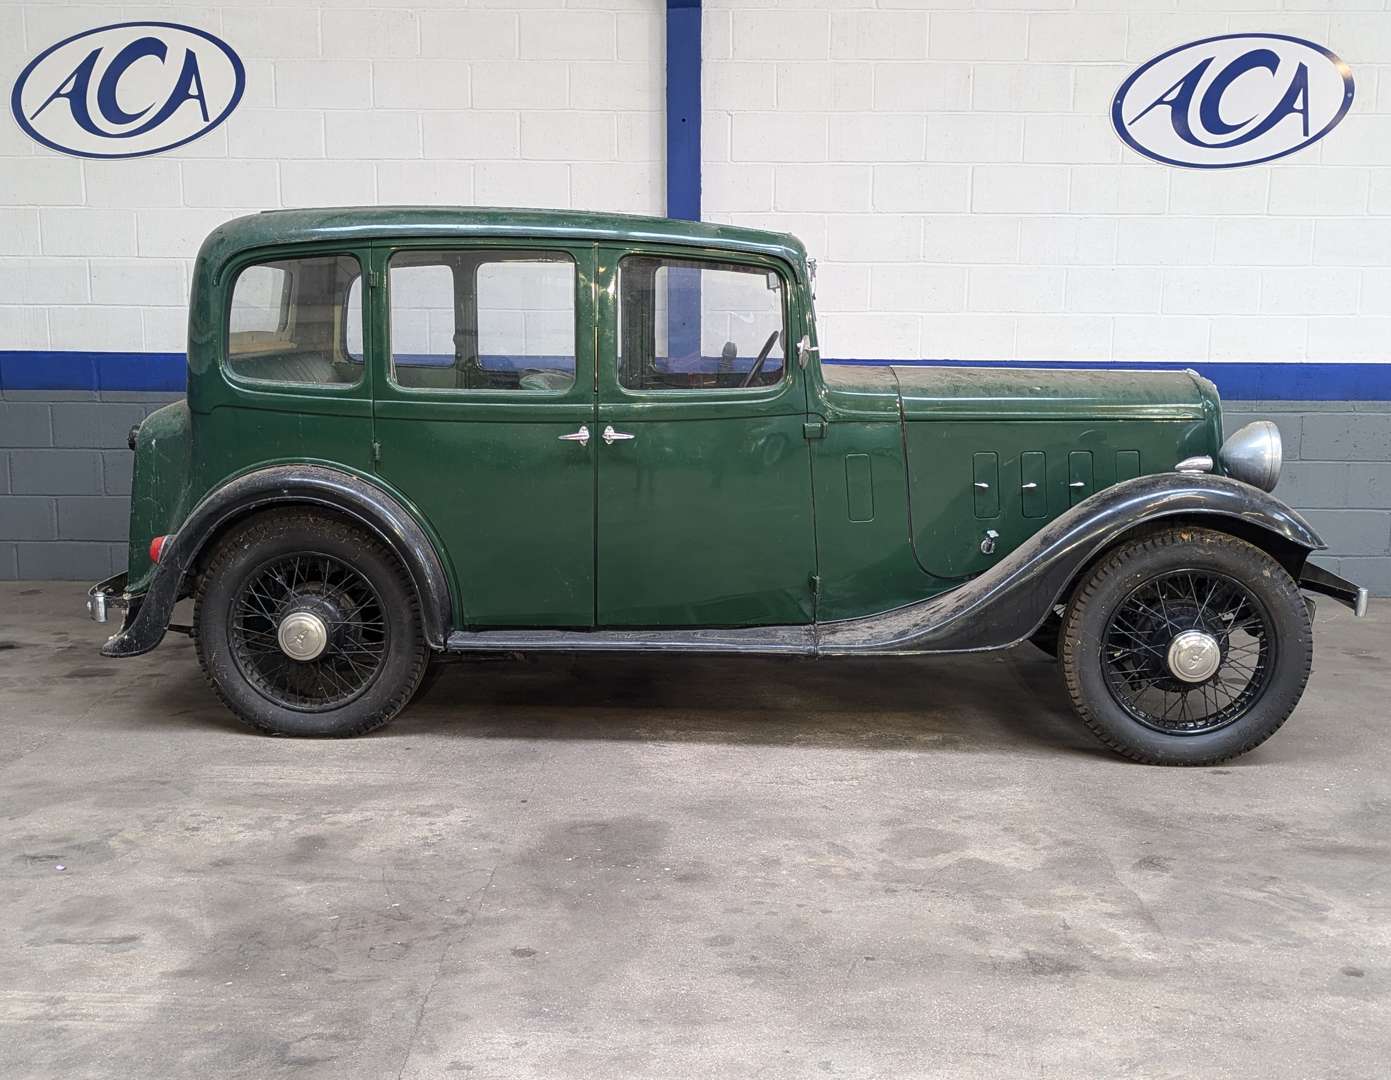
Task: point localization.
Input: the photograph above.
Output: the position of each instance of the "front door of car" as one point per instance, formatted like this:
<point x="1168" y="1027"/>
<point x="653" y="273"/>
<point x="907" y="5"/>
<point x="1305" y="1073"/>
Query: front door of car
<point x="704" y="472"/>
<point x="483" y="410"/>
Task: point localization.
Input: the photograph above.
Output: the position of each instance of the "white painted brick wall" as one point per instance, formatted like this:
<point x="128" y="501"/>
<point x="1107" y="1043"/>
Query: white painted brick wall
<point x="949" y="161"/>
<point x="536" y="103"/>
<point x="1002" y="218"/>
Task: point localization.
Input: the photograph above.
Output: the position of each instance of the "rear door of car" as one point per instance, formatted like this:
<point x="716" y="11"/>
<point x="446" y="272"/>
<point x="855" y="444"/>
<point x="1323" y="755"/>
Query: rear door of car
<point x="483" y="408"/>
<point x="704" y="484"/>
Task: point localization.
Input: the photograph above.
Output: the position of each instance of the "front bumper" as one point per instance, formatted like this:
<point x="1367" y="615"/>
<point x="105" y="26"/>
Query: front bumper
<point x="1316" y="579"/>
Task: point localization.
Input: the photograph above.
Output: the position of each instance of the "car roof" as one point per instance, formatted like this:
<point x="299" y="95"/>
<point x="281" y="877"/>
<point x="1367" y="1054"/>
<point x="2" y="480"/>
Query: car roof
<point x="360" y="223"/>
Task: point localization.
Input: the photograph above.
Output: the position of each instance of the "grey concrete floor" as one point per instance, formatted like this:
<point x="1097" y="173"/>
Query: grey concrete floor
<point x="660" y="867"/>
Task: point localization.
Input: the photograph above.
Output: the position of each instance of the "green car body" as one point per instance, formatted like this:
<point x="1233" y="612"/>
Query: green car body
<point x="858" y="476"/>
<point x="779" y="506"/>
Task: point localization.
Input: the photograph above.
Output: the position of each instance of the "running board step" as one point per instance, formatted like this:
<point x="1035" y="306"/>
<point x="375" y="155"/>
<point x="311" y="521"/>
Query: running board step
<point x="771" y="640"/>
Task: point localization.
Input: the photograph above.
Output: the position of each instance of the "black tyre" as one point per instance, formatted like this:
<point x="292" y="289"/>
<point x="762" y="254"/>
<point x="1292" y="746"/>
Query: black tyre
<point x="306" y="625"/>
<point x="1186" y="647"/>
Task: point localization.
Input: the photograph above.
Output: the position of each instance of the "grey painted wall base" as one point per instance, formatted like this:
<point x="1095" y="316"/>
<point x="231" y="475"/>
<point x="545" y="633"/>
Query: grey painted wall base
<point x="1338" y="474"/>
<point x="65" y="479"/>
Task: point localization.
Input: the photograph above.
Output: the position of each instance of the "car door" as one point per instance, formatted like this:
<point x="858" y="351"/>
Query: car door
<point x="704" y="472"/>
<point x="483" y="410"/>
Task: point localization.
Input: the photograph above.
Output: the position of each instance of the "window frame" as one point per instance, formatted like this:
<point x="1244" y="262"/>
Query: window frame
<point x="267" y="256"/>
<point x="506" y="249"/>
<point x="716" y="258"/>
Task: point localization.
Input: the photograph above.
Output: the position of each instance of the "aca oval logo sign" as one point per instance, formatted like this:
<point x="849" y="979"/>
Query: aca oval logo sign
<point x="1238" y="99"/>
<point x="128" y="90"/>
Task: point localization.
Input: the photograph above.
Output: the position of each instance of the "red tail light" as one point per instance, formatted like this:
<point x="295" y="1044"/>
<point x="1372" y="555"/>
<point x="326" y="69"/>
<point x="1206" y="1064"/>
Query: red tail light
<point x="157" y="547"/>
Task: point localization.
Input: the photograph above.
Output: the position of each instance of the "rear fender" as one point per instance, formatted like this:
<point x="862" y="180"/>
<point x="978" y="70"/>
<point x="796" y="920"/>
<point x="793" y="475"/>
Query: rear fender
<point x="350" y="495"/>
<point x="1008" y="602"/>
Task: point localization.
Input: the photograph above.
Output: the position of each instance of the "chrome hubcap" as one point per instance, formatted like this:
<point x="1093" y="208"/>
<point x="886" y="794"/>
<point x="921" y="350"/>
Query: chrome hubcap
<point x="1194" y="656"/>
<point x="302" y="635"/>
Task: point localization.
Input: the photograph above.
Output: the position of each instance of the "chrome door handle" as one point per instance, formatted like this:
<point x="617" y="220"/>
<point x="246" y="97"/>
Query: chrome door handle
<point x="1029" y="486"/>
<point x="610" y="436"/>
<point x="581" y="436"/>
<point x="981" y="484"/>
<point x="1077" y="484"/>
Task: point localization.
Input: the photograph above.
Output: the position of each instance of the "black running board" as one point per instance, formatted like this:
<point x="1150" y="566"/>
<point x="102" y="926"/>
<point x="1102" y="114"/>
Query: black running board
<point x="762" y="640"/>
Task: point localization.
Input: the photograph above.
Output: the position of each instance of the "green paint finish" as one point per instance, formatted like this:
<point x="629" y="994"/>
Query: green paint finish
<point x="1080" y="480"/>
<point x="837" y="492"/>
<point x="958" y="393"/>
<point x="705" y="522"/>
<point x="865" y="566"/>
<point x="859" y="487"/>
<point x="1033" y="484"/>
<point x="985" y="484"/>
<point x="949" y="514"/>
<point x="161" y="487"/>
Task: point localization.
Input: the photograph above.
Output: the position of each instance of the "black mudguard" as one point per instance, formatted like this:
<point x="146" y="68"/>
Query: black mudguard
<point x="1011" y="600"/>
<point x="147" y="616"/>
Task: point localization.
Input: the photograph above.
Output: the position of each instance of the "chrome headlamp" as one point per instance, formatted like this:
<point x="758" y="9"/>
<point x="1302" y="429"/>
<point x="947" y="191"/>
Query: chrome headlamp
<point x="1253" y="454"/>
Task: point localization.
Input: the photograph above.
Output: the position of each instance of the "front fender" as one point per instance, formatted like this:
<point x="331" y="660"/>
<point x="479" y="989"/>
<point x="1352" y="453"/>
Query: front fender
<point x="314" y="485"/>
<point x="1011" y="600"/>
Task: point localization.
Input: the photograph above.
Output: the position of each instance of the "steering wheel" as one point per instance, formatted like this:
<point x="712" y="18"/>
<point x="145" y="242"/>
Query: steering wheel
<point x="762" y="356"/>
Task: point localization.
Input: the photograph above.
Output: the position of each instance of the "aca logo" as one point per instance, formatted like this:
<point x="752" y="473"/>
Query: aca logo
<point x="128" y="90"/>
<point x="1239" y="99"/>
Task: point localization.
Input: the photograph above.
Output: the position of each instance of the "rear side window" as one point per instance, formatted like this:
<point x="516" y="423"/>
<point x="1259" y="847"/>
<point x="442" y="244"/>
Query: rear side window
<point x="297" y="321"/>
<point x="482" y="320"/>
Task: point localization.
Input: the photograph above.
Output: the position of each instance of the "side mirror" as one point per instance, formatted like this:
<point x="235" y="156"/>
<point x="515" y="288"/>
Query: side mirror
<point x="804" y="350"/>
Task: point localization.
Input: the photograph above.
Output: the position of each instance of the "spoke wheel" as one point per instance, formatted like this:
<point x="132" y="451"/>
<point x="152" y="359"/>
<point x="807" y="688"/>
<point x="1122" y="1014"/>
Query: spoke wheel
<point x="1185" y="646"/>
<point x="308" y="631"/>
<point x="1188" y="651"/>
<point x="306" y="624"/>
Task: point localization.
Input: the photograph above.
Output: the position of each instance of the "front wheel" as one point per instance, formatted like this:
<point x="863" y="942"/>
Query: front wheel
<point x="306" y="625"/>
<point x="1186" y="647"/>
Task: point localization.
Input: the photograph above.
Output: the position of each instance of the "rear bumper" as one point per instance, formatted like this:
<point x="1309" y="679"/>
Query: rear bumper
<point x="135" y="636"/>
<point x="105" y="595"/>
<point x="1316" y="579"/>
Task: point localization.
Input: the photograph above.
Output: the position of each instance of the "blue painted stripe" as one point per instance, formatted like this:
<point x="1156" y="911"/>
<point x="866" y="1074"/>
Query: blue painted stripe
<point x="683" y="109"/>
<point x="27" y="369"/>
<point x="32" y="369"/>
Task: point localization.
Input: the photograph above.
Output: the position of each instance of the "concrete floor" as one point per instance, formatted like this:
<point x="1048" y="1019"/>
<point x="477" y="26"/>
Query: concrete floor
<point x="681" y="868"/>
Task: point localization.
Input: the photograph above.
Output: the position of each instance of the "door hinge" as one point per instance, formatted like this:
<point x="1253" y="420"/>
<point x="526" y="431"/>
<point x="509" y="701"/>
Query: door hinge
<point x="376" y="452"/>
<point x="814" y="429"/>
<point x="814" y="580"/>
<point x="373" y="279"/>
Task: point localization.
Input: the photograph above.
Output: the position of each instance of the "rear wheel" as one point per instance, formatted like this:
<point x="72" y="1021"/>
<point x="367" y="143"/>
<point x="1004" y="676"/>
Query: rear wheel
<point x="1188" y="647"/>
<point x="306" y="625"/>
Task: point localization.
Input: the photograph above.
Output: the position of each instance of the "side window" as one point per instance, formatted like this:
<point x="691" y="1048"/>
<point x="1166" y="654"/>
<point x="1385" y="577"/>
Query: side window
<point x="292" y="321"/>
<point x="482" y="320"/>
<point x="697" y="325"/>
<point x="352" y="332"/>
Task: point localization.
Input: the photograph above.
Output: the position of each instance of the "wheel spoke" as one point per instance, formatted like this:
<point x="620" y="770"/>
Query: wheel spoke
<point x="1135" y="651"/>
<point x="323" y="585"/>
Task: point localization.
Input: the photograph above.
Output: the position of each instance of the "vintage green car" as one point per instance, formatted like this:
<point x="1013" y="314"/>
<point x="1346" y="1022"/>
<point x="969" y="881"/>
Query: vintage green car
<point x="415" y="432"/>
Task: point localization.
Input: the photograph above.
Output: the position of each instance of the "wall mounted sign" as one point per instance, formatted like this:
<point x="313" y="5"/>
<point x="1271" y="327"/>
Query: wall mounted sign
<point x="1233" y="100"/>
<point x="128" y="90"/>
